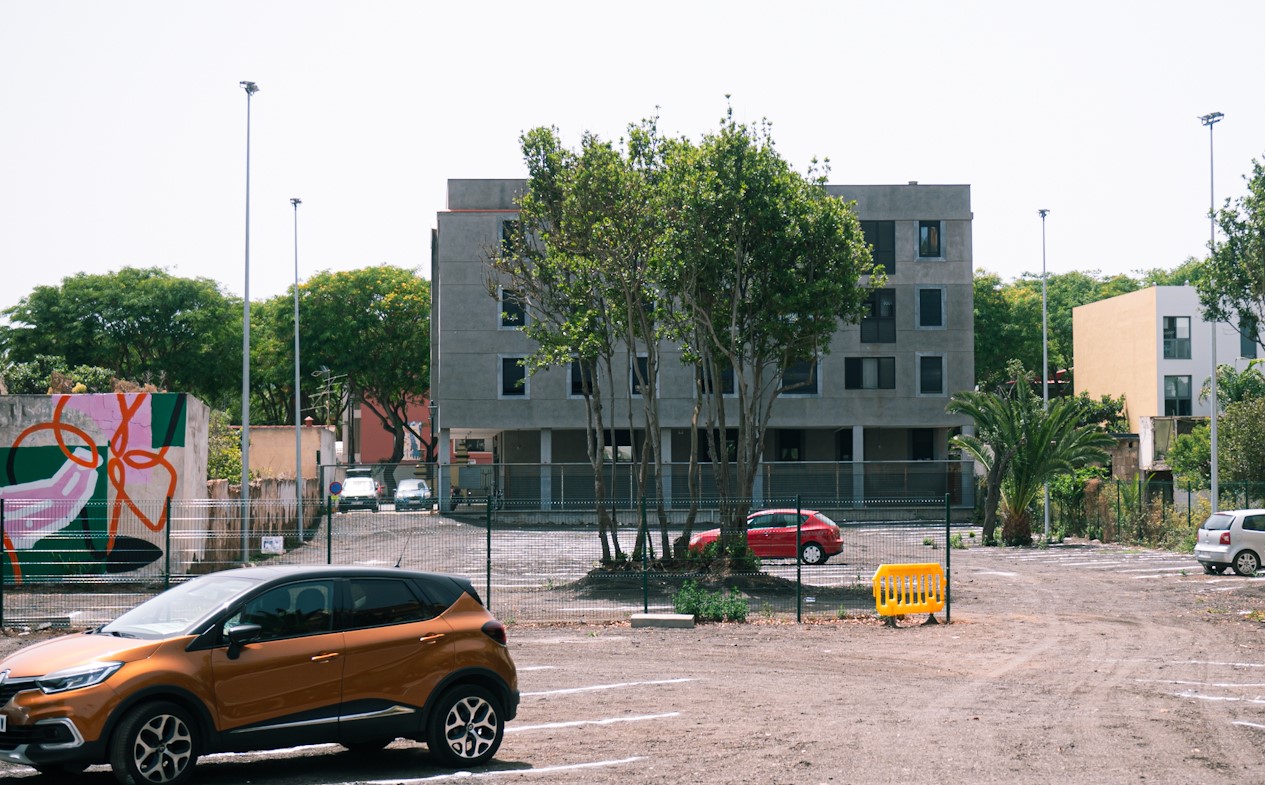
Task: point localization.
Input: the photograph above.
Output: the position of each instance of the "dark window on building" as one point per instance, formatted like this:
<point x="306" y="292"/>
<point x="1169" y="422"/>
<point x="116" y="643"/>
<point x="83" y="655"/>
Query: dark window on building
<point x="705" y="444"/>
<point x="513" y="314"/>
<point x="509" y="237"/>
<point x="922" y="444"/>
<point x="931" y="375"/>
<point x="800" y="379"/>
<point x="869" y="373"/>
<point x="513" y="378"/>
<point x="931" y="307"/>
<point x="579" y="371"/>
<point x="1176" y="337"/>
<point x="1247" y="341"/>
<point x="929" y="239"/>
<point x="790" y="444"/>
<point x="881" y="236"/>
<point x="703" y="376"/>
<point x="879" y="325"/>
<point x="843" y="444"/>
<point x="1176" y="396"/>
<point x="639" y="370"/>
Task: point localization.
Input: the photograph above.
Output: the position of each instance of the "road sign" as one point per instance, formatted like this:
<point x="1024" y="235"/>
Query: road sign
<point x="335" y="487"/>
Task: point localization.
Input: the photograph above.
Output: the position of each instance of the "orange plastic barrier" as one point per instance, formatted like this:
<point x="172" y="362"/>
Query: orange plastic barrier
<point x="908" y="588"/>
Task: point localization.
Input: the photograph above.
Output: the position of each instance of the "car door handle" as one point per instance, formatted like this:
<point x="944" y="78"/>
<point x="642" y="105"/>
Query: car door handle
<point x="431" y="638"/>
<point x="325" y="657"/>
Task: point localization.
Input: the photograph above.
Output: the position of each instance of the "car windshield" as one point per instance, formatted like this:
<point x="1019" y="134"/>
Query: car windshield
<point x="411" y="486"/>
<point x="1218" y="521"/>
<point x="359" y="485"/>
<point x="175" y="611"/>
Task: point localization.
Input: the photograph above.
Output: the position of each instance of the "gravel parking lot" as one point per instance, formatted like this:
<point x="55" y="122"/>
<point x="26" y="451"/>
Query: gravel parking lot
<point x="1071" y="664"/>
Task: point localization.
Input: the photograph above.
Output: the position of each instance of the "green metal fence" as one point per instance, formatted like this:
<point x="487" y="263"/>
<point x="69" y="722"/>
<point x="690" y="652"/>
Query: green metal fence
<point x="68" y="567"/>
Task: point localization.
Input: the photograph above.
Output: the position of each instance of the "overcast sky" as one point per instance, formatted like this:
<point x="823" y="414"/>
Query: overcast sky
<point x="123" y="127"/>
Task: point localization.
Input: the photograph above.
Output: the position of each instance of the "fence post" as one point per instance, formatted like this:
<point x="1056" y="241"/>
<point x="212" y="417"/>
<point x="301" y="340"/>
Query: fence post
<point x="799" y="563"/>
<point x="645" y="560"/>
<point x="329" y="529"/>
<point x="167" y="549"/>
<point x="1119" y="522"/>
<point x="948" y="564"/>
<point x="1188" y="501"/>
<point x="488" y="576"/>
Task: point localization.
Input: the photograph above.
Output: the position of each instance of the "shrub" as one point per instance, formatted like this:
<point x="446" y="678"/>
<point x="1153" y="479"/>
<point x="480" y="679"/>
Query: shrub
<point x="709" y="605"/>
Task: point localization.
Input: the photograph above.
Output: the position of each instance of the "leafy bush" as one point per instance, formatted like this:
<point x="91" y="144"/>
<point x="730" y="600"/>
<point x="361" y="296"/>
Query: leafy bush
<point x="742" y="560"/>
<point x="709" y="605"/>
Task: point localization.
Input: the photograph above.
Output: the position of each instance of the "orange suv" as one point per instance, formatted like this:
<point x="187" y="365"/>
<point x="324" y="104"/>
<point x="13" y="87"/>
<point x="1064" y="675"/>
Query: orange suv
<point x="261" y="658"/>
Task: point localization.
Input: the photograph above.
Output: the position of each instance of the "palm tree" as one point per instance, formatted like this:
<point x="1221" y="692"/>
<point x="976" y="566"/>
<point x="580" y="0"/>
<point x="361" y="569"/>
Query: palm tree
<point x="1022" y="447"/>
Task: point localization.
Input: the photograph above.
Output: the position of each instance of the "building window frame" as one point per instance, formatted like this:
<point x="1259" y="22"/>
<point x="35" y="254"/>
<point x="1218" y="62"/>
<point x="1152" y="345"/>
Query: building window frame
<point x="808" y="371"/>
<point x="642" y="362"/>
<point x="1176" y="345"/>
<point x="926" y="375"/>
<point x="728" y="382"/>
<point x="879" y="325"/>
<point x="869" y="373"/>
<point x="510" y="374"/>
<point x="512" y="309"/>
<point x="930" y="239"/>
<point x="575" y="384"/>
<point x="881" y="237"/>
<point x="921" y="314"/>
<point x="1248" y="345"/>
<point x="1177" y="395"/>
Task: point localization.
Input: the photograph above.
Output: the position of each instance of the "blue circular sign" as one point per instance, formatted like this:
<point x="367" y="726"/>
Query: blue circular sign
<point x="335" y="487"/>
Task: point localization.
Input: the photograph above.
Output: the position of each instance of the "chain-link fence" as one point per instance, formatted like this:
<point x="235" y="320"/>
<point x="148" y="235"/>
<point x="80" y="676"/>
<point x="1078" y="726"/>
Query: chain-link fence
<point x="68" y="567"/>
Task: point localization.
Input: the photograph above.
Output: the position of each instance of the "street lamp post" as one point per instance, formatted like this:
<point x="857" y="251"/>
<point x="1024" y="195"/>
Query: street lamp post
<point x="1210" y="120"/>
<point x="251" y="88"/>
<point x="1045" y="359"/>
<point x="298" y="422"/>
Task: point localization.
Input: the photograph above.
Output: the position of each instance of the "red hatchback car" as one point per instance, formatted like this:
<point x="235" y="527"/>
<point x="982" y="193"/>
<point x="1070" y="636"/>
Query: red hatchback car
<point x="771" y="535"/>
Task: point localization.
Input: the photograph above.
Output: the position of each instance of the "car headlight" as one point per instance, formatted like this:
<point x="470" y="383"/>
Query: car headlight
<point x="77" y="677"/>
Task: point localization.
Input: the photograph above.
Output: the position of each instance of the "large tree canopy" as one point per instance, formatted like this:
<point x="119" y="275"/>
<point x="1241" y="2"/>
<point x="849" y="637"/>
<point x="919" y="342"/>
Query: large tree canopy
<point x="1233" y="287"/>
<point x="373" y="325"/>
<point x="144" y="324"/>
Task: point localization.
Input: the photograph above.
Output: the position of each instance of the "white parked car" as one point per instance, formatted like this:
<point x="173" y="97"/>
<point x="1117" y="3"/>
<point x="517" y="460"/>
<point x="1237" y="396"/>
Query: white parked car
<point x="1232" y="538"/>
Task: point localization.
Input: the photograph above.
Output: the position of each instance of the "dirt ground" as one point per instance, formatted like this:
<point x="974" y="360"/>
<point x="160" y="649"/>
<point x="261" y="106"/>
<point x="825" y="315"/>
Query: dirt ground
<point x="1074" y="664"/>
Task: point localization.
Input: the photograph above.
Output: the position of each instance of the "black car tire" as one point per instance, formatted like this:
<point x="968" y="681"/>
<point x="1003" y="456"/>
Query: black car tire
<point x="466" y="728"/>
<point x="812" y="553"/>
<point x="155" y="744"/>
<point x="1246" y="563"/>
<point x="1214" y="569"/>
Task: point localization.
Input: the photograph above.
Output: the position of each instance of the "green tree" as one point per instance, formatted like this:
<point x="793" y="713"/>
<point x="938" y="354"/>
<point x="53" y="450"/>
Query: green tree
<point x="43" y="374"/>
<point x="372" y="324"/>
<point x="763" y="264"/>
<point x="1105" y="412"/>
<point x="1232" y="288"/>
<point x="1234" y="386"/>
<point x="1190" y="457"/>
<point x="1022" y="447"/>
<point x="145" y="324"/>
<point x="224" y="449"/>
<point x="1241" y="441"/>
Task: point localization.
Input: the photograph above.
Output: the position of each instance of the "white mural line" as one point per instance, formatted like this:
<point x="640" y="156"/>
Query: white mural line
<point x="599" y="687"/>
<point x="581" y="723"/>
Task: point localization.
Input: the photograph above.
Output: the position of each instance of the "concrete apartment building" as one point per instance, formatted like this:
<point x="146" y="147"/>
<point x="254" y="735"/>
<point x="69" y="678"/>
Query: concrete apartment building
<point x="874" y="419"/>
<point x="1152" y="346"/>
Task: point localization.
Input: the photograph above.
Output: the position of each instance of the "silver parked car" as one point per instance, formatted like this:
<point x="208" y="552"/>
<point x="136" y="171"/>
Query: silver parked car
<point x="1232" y="538"/>
<point x="412" y="494"/>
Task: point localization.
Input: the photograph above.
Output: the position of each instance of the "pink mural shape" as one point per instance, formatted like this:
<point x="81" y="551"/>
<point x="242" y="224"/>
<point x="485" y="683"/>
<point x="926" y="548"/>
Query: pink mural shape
<point x="33" y="510"/>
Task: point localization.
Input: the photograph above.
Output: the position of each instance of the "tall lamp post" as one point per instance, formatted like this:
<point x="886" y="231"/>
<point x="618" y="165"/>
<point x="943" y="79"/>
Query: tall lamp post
<point x="251" y="88"/>
<point x="1210" y="120"/>
<point x="298" y="422"/>
<point x="1045" y="359"/>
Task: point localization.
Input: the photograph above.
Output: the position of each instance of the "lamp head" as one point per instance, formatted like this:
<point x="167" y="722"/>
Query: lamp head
<point x="1210" y="119"/>
<point x="1043" y="213"/>
<point x="250" y="87"/>
<point x="296" y="202"/>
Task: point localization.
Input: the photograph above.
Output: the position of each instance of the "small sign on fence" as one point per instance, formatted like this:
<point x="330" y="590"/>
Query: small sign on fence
<point x="273" y="546"/>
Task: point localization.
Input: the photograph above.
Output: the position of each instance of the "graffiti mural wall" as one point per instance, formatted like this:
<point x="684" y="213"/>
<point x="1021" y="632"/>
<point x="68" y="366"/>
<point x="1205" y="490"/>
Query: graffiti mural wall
<point x="85" y="479"/>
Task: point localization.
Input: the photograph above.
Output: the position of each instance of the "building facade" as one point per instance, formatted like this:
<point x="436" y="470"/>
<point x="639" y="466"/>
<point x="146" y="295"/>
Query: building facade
<point x="875" y="414"/>
<point x="1154" y="347"/>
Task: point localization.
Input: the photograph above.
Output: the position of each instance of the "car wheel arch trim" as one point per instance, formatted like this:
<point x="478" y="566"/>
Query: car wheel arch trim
<point x="190" y="702"/>
<point x="479" y="677"/>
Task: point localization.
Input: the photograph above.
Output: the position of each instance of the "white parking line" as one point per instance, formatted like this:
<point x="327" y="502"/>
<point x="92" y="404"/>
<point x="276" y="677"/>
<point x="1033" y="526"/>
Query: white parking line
<point x="1248" y="724"/>
<point x="1221" y="698"/>
<point x="522" y="668"/>
<point x="1230" y="685"/>
<point x="1225" y="664"/>
<point x="1002" y="574"/>
<point x="598" y="687"/>
<point x="487" y="774"/>
<point x="579" y="723"/>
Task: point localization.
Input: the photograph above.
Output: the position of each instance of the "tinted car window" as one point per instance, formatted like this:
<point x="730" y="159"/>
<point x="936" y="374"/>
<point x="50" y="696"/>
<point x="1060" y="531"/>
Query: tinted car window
<point x="1254" y="523"/>
<point x="294" y="609"/>
<point x="761" y="522"/>
<point x="375" y="602"/>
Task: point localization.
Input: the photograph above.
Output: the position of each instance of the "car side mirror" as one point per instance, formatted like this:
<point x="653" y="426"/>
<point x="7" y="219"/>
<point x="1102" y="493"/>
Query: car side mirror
<point x="239" y="635"/>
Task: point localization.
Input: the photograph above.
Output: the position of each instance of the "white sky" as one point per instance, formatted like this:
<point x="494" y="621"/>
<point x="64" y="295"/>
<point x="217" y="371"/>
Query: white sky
<point x="122" y="125"/>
